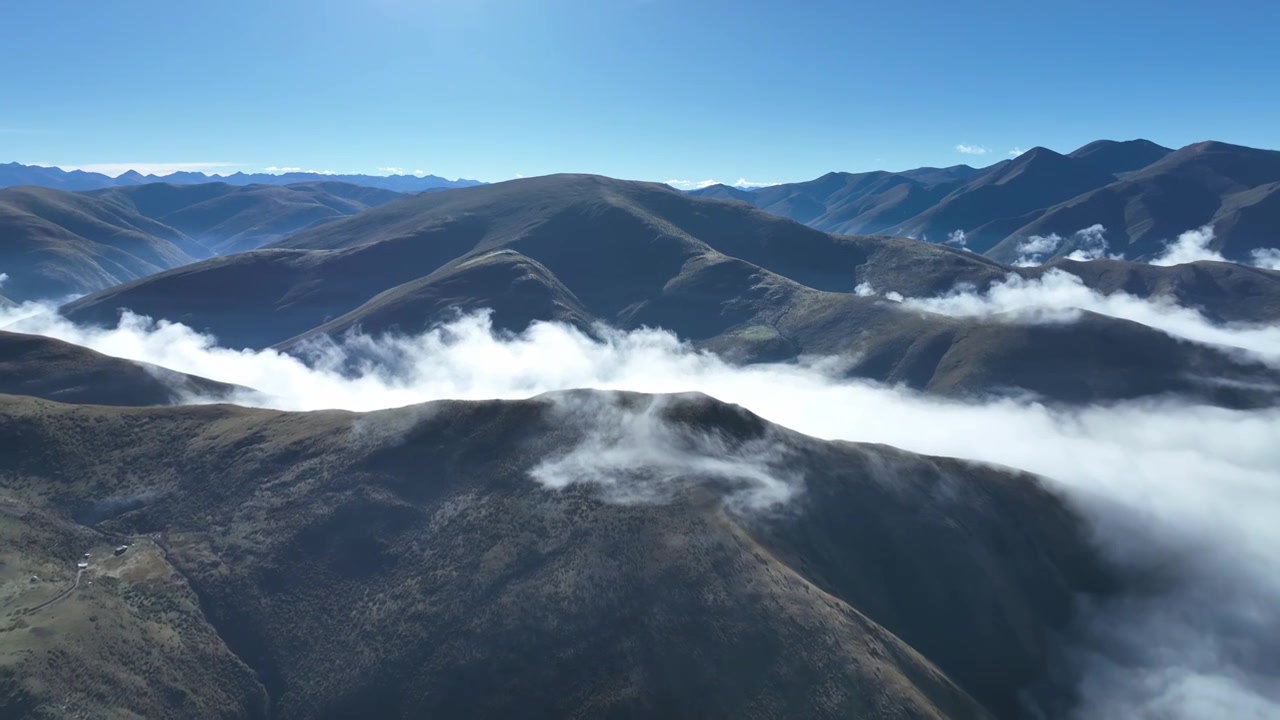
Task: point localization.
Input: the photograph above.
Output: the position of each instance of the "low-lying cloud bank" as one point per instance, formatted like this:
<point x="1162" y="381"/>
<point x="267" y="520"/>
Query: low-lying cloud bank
<point x="1059" y="296"/>
<point x="1188" y="491"/>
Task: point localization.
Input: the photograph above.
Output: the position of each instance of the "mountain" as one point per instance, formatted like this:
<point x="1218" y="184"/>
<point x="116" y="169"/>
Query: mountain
<point x="13" y="174"/>
<point x="1142" y="194"/>
<point x="228" y="218"/>
<point x="55" y="370"/>
<point x="747" y="284"/>
<point x="995" y="202"/>
<point x="1115" y="158"/>
<point x="1234" y="189"/>
<point x="430" y="561"/>
<point x="58" y="243"/>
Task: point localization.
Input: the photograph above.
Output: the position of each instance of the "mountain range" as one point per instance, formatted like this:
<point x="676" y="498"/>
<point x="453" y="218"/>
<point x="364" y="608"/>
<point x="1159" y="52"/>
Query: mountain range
<point x="590" y="553"/>
<point x="1142" y="194"/>
<point x="746" y="284"/>
<point x="14" y="174"/>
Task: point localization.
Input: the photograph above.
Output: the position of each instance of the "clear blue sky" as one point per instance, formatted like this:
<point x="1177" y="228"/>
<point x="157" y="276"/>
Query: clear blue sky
<point x="646" y="89"/>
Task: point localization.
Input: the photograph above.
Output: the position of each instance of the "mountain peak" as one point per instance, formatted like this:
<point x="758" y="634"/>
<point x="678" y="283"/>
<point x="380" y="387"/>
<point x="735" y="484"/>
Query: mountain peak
<point x="1120" y="156"/>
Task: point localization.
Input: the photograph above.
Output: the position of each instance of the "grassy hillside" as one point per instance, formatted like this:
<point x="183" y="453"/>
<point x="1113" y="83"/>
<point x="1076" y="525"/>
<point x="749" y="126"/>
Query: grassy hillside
<point x="55" y="370"/>
<point x="407" y="561"/>
<point x="53" y="244"/>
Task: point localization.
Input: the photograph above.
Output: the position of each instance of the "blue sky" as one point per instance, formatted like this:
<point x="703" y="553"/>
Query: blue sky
<point x="766" y="91"/>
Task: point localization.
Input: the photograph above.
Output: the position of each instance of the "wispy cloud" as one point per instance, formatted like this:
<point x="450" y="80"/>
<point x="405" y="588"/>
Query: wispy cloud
<point x="745" y="183"/>
<point x="1016" y="152"/>
<point x="1267" y="258"/>
<point x="971" y="149"/>
<point x="391" y="170"/>
<point x="1191" y="246"/>
<point x="149" y="168"/>
<point x="419" y="172"/>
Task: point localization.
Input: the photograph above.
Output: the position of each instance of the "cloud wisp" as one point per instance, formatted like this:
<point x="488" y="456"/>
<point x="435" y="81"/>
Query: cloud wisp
<point x="1086" y="244"/>
<point x="1059" y="296"/>
<point x="1188" y="490"/>
<point x="1191" y="246"/>
<point x="968" y="149"/>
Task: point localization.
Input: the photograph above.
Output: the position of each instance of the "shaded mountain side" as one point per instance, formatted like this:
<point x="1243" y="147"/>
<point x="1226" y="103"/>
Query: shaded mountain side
<point x="1233" y="188"/>
<point x="406" y="561"/>
<point x="225" y="218"/>
<point x="13" y="173"/>
<point x="57" y="244"/>
<point x="56" y="370"/>
<point x="983" y="206"/>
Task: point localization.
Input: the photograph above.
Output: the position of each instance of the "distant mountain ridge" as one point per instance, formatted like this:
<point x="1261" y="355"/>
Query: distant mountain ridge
<point x="1143" y="195"/>
<point x="58" y="243"/>
<point x="14" y="174"/>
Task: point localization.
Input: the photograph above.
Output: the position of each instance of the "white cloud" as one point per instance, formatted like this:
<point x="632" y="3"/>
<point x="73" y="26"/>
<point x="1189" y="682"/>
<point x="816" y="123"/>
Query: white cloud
<point x="281" y="170"/>
<point x="146" y="168"/>
<point x="1058" y="296"/>
<point x="864" y="289"/>
<point x="1268" y="258"/>
<point x="1016" y="152"/>
<point x="1091" y="244"/>
<point x="1191" y="246"/>
<point x="691" y="184"/>
<point x="419" y="173"/>
<point x="1036" y="248"/>
<point x="971" y="149"/>
<point x="391" y="170"/>
<point x="1183" y="491"/>
<point x="4" y="277"/>
<point x="955" y="238"/>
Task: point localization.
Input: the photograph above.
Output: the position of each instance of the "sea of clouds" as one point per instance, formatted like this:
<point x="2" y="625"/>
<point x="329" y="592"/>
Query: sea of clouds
<point x="1191" y="489"/>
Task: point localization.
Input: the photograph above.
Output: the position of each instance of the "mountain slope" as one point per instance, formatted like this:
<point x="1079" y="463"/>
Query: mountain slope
<point x="746" y="284"/>
<point x="352" y="582"/>
<point x="54" y="243"/>
<point x="55" y="370"/>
